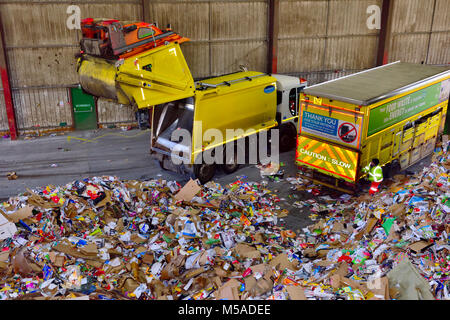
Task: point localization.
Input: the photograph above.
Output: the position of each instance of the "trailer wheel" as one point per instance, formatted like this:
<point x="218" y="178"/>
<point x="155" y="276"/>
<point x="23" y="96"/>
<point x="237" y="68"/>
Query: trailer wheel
<point x="288" y="137"/>
<point x="204" y="172"/>
<point x="391" y="169"/>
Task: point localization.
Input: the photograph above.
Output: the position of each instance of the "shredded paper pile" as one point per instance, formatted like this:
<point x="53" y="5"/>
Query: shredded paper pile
<point x="103" y="238"/>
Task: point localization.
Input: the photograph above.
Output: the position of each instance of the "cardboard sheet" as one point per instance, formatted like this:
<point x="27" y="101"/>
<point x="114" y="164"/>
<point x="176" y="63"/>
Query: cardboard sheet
<point x="7" y="228"/>
<point x="190" y="189"/>
<point x="296" y="292"/>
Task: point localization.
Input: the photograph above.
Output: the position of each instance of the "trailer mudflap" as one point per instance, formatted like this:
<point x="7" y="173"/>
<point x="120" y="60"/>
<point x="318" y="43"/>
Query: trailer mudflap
<point x="328" y="161"/>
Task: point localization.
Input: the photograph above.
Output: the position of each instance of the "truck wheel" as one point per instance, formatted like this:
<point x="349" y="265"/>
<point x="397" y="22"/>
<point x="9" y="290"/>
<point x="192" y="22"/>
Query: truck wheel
<point x="204" y="172"/>
<point x="230" y="163"/>
<point x="230" y="168"/>
<point x="391" y="169"/>
<point x="288" y="138"/>
<point x="161" y="163"/>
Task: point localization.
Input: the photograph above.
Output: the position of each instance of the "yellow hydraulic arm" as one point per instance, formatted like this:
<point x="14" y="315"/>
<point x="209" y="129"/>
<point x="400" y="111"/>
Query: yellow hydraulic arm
<point x="154" y="77"/>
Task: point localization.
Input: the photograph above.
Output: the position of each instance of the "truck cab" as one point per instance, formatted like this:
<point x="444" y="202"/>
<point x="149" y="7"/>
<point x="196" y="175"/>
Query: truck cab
<point x="288" y="97"/>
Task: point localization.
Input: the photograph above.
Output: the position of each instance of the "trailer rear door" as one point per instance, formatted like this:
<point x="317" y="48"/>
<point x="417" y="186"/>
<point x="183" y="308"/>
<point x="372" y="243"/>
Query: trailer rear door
<point x="327" y="158"/>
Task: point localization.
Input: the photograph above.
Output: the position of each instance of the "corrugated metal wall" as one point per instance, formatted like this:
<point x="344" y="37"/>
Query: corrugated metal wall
<point x="317" y="39"/>
<point x="40" y="50"/>
<point x="3" y="118"/>
<point x="421" y="31"/>
<point x="112" y="113"/>
<point x="321" y="40"/>
<point x="224" y="34"/>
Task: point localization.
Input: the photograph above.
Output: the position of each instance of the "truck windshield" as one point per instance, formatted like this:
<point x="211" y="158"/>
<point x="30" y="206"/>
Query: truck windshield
<point x="145" y="32"/>
<point x="293" y="101"/>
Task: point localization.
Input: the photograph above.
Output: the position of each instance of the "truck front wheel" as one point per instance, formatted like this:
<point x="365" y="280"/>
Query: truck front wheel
<point x="204" y="172"/>
<point x="231" y="159"/>
<point x="230" y="166"/>
<point x="288" y="136"/>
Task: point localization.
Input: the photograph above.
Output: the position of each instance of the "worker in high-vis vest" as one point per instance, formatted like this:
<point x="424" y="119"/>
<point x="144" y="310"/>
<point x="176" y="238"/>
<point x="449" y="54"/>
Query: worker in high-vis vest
<point x="375" y="175"/>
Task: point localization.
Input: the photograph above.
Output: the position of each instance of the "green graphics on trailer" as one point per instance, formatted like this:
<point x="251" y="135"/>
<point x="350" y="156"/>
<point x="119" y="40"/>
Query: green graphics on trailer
<point x="84" y="112"/>
<point x="402" y="108"/>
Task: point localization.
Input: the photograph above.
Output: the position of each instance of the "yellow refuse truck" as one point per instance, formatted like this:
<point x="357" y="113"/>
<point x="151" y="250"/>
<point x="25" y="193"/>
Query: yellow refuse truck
<point x="247" y="103"/>
<point x="394" y="113"/>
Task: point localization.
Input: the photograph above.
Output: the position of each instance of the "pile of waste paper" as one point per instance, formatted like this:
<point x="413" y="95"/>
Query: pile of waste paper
<point x="104" y="238"/>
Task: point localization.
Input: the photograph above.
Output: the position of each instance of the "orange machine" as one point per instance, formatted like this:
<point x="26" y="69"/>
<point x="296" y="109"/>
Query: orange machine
<point x="114" y="39"/>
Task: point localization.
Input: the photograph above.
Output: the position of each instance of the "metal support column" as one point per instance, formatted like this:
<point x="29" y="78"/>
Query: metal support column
<point x="6" y="86"/>
<point x="146" y="11"/>
<point x="385" y="32"/>
<point x="272" y="45"/>
<point x="431" y="32"/>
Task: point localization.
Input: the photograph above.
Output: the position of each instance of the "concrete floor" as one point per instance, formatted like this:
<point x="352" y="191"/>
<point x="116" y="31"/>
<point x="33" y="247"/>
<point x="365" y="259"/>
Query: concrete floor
<point x="61" y="159"/>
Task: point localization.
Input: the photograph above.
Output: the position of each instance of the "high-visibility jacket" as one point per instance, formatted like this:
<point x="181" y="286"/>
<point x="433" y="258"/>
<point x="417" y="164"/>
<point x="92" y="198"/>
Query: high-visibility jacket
<point x="375" y="173"/>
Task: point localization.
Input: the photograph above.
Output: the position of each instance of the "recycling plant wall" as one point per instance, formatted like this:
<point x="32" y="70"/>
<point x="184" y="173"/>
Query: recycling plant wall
<point x="316" y="39"/>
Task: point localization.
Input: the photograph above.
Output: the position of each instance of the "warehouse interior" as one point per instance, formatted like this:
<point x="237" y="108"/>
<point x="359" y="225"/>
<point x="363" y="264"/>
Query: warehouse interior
<point x="113" y="188"/>
<point x="316" y="40"/>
